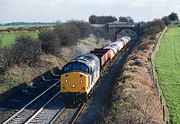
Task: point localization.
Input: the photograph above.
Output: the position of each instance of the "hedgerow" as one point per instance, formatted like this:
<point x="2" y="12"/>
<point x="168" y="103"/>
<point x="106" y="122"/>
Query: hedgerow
<point x="49" y="42"/>
<point x="25" y="50"/>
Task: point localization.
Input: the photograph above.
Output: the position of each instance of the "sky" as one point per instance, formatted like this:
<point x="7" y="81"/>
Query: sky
<point x="63" y="10"/>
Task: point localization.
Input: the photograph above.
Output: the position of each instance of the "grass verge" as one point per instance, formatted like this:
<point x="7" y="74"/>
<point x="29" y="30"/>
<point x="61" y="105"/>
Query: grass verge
<point x="167" y="64"/>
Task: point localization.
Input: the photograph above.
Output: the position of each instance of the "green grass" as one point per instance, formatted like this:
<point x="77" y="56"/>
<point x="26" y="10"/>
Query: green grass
<point x="6" y="27"/>
<point x="25" y="26"/>
<point x="7" y="39"/>
<point x="167" y="64"/>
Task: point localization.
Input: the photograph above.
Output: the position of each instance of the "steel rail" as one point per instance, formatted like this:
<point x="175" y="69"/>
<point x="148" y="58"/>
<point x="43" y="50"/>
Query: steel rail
<point x="77" y="113"/>
<point x="22" y="109"/>
<point x="57" y="116"/>
<point x="38" y="112"/>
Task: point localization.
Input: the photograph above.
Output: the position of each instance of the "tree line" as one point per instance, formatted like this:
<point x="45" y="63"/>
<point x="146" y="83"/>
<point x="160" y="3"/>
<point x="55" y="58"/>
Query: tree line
<point x="93" y="19"/>
<point x="157" y="25"/>
<point x="27" y="23"/>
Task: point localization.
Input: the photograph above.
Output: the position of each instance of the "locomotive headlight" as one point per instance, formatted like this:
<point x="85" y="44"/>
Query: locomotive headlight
<point x="81" y="81"/>
<point x="66" y="80"/>
<point x="73" y="86"/>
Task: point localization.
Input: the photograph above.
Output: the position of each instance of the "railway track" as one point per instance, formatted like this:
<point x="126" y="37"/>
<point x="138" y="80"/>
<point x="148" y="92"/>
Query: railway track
<point x="67" y="115"/>
<point x="77" y="114"/>
<point x="47" y="112"/>
<point x="34" y="106"/>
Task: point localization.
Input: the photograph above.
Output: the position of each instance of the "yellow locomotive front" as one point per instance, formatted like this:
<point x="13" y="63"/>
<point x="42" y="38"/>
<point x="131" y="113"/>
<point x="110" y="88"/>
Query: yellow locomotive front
<point x="74" y="82"/>
<point x="79" y="77"/>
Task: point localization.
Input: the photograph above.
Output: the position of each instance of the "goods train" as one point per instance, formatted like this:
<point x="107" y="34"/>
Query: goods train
<point x="80" y="75"/>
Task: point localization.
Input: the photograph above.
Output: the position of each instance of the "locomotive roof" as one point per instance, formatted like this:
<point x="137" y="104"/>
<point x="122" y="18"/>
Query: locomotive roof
<point x="87" y="59"/>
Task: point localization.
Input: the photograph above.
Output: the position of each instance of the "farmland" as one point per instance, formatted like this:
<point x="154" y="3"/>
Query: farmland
<point x="25" y="26"/>
<point x="6" y="39"/>
<point x="167" y="64"/>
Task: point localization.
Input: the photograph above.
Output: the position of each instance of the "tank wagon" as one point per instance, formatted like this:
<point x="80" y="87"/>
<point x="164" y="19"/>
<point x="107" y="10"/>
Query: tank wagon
<point x="80" y="75"/>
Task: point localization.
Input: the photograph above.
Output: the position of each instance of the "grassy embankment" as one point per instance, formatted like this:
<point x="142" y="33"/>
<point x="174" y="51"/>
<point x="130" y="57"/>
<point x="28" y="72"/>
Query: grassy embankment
<point x="134" y="97"/>
<point x="7" y="39"/>
<point x="16" y="75"/>
<point x="167" y="64"/>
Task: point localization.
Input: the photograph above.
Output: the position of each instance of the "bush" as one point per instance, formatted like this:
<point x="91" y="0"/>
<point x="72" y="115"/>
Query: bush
<point x="166" y="20"/>
<point x="93" y="19"/>
<point x="152" y="27"/>
<point x="3" y="59"/>
<point x="25" y="50"/>
<point x="101" y="33"/>
<point x="84" y="27"/>
<point x="126" y="20"/>
<point x="173" y="16"/>
<point x="49" y="42"/>
<point x="126" y="32"/>
<point x="69" y="34"/>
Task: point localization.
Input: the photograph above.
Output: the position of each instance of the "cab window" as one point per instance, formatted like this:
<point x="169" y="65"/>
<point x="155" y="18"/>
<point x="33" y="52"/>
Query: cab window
<point x="84" y="68"/>
<point x="76" y="66"/>
<point x="67" y="68"/>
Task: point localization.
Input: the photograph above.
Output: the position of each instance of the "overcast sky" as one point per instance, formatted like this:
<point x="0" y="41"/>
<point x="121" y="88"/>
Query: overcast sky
<point x="52" y="10"/>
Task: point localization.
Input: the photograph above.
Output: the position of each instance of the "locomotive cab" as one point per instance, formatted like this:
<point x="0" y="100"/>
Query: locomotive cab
<point x="75" y="77"/>
<point x="79" y="77"/>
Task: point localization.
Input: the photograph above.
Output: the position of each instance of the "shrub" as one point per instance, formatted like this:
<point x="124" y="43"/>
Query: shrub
<point x="93" y="19"/>
<point x="25" y="50"/>
<point x="166" y="20"/>
<point x="126" y="19"/>
<point x="84" y="27"/>
<point x="144" y="45"/>
<point x="3" y="59"/>
<point x="49" y="42"/>
<point x="152" y="27"/>
<point x="126" y="32"/>
<point x="101" y="33"/>
<point x="67" y="33"/>
<point x="173" y="16"/>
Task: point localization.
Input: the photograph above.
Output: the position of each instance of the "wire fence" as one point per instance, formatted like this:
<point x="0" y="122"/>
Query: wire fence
<point x="166" y="117"/>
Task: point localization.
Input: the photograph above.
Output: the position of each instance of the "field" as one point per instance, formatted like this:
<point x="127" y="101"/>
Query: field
<point x="7" y="39"/>
<point x="167" y="64"/>
<point x="25" y="26"/>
